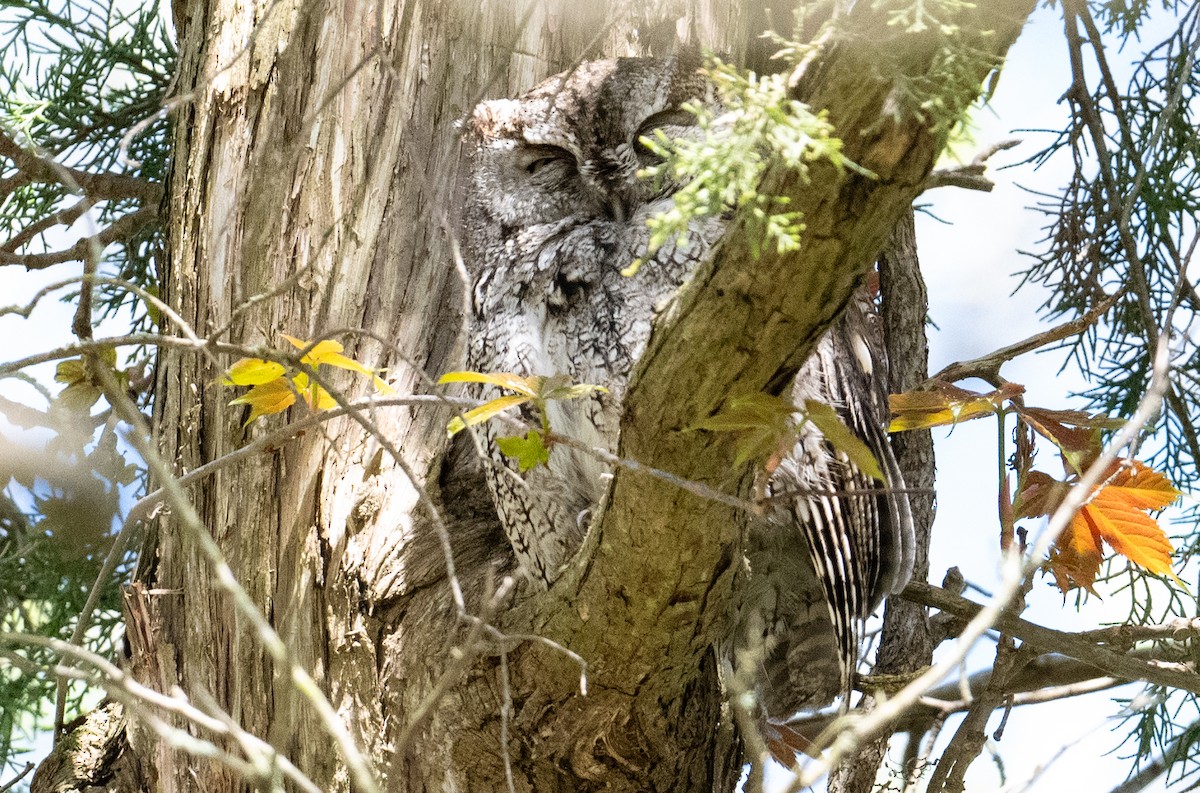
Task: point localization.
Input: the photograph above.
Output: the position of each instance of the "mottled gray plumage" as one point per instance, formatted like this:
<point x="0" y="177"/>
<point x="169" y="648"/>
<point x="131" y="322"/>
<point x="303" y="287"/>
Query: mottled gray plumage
<point x="551" y="212"/>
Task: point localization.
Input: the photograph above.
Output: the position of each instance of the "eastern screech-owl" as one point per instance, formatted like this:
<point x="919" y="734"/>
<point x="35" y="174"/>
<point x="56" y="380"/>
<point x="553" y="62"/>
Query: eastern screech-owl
<point x="552" y="210"/>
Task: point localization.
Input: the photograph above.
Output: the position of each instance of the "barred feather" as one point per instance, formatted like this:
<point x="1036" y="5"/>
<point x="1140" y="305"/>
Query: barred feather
<point x="858" y="544"/>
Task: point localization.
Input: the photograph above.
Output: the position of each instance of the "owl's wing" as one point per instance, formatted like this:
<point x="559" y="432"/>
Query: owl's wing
<point x="840" y="539"/>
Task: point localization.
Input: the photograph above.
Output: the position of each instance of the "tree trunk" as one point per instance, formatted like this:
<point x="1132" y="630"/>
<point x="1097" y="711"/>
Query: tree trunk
<point x="312" y="172"/>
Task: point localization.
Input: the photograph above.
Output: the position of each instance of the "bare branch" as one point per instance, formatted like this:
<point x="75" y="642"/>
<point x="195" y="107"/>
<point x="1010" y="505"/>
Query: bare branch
<point x="34" y="167"/>
<point x="972" y="175"/>
<point x="12" y="783"/>
<point x="64" y="217"/>
<point x="1075" y="645"/>
<point x="119" y="230"/>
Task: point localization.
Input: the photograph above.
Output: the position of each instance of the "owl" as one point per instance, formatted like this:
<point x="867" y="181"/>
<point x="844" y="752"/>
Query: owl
<point x="551" y="210"/>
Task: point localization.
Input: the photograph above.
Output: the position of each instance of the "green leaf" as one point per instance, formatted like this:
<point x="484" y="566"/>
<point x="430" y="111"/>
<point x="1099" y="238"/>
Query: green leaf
<point x="483" y="413"/>
<point x="765" y="422"/>
<point x="529" y="451"/>
<point x="750" y="412"/>
<point x="826" y="419"/>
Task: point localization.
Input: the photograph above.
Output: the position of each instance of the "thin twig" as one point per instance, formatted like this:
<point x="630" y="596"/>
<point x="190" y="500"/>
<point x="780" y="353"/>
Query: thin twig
<point x="1049" y="640"/>
<point x="21" y="775"/>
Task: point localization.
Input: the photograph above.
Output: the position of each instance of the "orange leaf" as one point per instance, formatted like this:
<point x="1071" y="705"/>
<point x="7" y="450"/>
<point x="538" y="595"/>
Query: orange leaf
<point x="1075" y="433"/>
<point x="1040" y="495"/>
<point x="1117" y="515"/>
<point x="1141" y="486"/>
<point x="1075" y="559"/>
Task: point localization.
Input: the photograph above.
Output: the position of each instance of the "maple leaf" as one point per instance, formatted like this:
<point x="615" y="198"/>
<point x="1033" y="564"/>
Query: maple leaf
<point x="529" y="451"/>
<point x="527" y="386"/>
<point x="841" y="438"/>
<point x="487" y="410"/>
<point x="82" y="383"/>
<point x="272" y="392"/>
<point x="1117" y="514"/>
<point x="252" y="371"/>
<point x="764" y="422"/>
<point x="1076" y="434"/>
<point x="316" y="397"/>
<point x="329" y="353"/>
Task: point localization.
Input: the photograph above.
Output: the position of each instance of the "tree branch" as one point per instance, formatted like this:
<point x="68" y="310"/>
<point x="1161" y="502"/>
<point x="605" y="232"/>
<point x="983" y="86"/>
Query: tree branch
<point x="33" y="167"/>
<point x="972" y="175"/>
<point x="1173" y="675"/>
<point x="121" y="229"/>
<point x="987" y="367"/>
<point x="64" y="217"/>
<point x="659" y="563"/>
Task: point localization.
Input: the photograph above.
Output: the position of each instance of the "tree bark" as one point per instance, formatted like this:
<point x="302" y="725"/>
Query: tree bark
<point x="313" y="166"/>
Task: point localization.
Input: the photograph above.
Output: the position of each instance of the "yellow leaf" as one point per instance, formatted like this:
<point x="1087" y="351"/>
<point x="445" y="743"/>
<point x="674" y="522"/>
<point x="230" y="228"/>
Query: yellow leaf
<point x="264" y="399"/>
<point x="83" y="388"/>
<point x="945" y="404"/>
<point x="528" y="386"/>
<point x="484" y="412"/>
<point x="328" y="352"/>
<point x="565" y="391"/>
<point x="252" y="371"/>
<point x="320" y="350"/>
<point x="316" y="397"/>
<point x="78" y="397"/>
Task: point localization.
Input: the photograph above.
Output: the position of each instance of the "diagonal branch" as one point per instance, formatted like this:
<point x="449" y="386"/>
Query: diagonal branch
<point x="659" y="563"/>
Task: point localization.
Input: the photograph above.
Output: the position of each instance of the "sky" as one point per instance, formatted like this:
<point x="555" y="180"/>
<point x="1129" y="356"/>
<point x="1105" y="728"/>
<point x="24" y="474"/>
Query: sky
<point x="969" y="253"/>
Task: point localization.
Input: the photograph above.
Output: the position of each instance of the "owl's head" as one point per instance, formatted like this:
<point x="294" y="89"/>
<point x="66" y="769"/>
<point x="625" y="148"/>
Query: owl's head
<point x="570" y="150"/>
